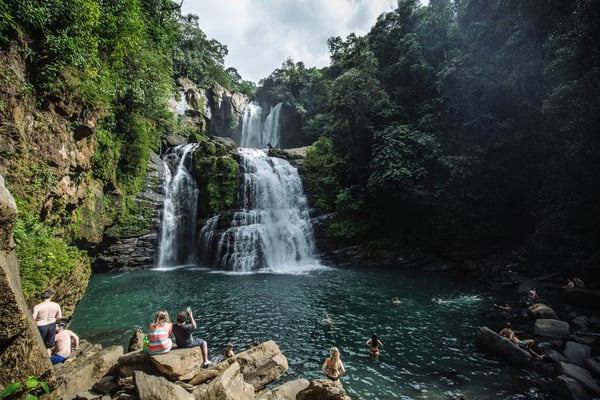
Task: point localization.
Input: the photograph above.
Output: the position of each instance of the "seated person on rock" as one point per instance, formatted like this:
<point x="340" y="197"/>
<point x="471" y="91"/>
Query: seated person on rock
<point x="183" y="334"/>
<point x="160" y="334"/>
<point x="65" y="341"/>
<point x="527" y="344"/>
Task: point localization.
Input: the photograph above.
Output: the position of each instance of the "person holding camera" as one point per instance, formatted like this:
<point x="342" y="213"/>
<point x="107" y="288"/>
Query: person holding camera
<point x="183" y="334"/>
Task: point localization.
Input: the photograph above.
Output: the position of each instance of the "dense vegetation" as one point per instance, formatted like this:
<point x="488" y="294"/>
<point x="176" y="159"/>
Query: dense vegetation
<point x="458" y="124"/>
<point x="116" y="59"/>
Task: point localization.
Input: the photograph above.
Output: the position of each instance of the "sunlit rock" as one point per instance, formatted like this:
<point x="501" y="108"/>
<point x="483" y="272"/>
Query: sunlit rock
<point x="157" y="387"/>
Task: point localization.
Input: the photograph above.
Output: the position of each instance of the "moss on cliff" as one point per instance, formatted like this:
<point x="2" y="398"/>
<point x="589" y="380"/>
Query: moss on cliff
<point x="217" y="173"/>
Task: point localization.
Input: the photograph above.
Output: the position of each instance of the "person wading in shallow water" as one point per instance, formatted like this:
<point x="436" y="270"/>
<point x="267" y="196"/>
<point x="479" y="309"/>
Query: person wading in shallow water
<point x="333" y="368"/>
<point x="374" y="344"/>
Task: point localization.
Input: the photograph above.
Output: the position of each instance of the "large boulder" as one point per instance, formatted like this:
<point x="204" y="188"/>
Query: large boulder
<point x="552" y="328"/>
<point x="85" y="368"/>
<point x="577" y="353"/>
<point x="539" y="310"/>
<point x="593" y="365"/>
<point x="489" y="340"/>
<point x="136" y="361"/>
<point x="179" y="364"/>
<point x="22" y="352"/>
<point x="582" y="375"/>
<point x="229" y="385"/>
<point x="323" y="389"/>
<point x="571" y="389"/>
<point x="262" y="364"/>
<point x="288" y="390"/>
<point x="158" y="388"/>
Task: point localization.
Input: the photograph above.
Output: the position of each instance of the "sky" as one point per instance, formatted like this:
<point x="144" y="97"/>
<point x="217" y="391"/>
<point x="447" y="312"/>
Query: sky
<point x="261" y="34"/>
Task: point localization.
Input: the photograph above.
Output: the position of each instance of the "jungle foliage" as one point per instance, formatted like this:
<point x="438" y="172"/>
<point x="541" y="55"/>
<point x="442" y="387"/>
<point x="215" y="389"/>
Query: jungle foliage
<point x="457" y="123"/>
<point x="119" y="59"/>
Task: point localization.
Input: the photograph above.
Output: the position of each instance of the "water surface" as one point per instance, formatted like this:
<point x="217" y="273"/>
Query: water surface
<point x="428" y="350"/>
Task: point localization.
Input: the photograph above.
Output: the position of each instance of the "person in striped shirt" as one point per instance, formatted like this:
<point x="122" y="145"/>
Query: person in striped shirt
<point x="160" y="334"/>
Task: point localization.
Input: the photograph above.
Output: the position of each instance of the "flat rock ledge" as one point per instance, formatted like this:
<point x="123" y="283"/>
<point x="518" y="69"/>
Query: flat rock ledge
<point x="94" y="373"/>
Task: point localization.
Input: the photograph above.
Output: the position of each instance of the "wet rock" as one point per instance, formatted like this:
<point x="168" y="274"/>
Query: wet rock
<point x="571" y="389"/>
<point x="577" y="353"/>
<point x="593" y="365"/>
<point x="583" y="376"/>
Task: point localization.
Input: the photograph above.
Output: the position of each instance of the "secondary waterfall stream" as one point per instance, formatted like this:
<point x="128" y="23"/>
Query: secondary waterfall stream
<point x="179" y="211"/>
<point x="257" y="133"/>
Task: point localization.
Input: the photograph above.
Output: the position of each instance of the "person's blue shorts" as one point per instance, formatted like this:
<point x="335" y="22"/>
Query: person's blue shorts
<point x="56" y="359"/>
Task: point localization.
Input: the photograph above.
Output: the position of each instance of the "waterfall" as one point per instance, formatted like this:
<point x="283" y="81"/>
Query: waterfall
<point x="251" y="125"/>
<point x="178" y="226"/>
<point x="272" y="231"/>
<point x="257" y="134"/>
<point x="271" y="130"/>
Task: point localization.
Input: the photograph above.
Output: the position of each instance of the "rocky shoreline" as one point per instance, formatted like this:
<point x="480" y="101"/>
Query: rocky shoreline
<point x="571" y="349"/>
<point x="94" y="373"/>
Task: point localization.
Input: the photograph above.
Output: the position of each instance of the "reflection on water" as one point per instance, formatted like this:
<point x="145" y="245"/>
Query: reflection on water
<point x="428" y="346"/>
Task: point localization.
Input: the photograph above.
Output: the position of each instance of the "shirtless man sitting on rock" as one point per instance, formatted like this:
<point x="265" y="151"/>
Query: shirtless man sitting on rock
<point x="526" y="344"/>
<point x="65" y="342"/>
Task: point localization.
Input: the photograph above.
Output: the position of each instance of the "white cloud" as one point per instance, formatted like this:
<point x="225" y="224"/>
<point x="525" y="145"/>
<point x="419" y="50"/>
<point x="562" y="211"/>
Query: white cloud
<point x="261" y="34"/>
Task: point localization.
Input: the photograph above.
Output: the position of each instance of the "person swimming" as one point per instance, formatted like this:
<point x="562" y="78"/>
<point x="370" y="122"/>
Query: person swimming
<point x="326" y="320"/>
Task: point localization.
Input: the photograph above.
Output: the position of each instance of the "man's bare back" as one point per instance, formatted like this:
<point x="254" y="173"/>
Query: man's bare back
<point x="46" y="313"/>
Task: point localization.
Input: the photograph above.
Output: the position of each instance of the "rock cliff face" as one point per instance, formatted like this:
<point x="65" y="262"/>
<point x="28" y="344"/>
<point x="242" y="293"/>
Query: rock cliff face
<point x="22" y="352"/>
<point x="136" y="252"/>
<point x="214" y="111"/>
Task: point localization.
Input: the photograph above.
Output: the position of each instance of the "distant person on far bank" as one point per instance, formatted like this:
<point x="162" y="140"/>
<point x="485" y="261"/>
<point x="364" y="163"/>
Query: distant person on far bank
<point x="333" y="367"/>
<point x="66" y="341"/>
<point x="532" y="294"/>
<point x="183" y="334"/>
<point x="46" y="314"/>
<point x="160" y="334"/>
<point x="569" y="285"/>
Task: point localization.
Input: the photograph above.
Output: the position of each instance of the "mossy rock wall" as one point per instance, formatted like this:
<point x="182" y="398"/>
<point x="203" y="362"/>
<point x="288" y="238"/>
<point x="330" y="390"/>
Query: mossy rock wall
<point x="217" y="172"/>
